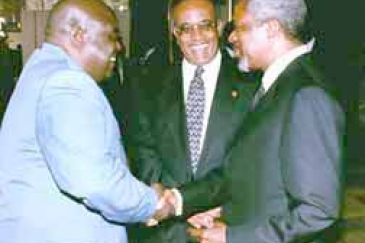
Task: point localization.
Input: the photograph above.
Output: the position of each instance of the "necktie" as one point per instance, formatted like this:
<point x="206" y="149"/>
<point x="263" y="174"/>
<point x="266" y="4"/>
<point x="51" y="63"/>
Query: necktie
<point x="194" y="115"/>
<point x="258" y="95"/>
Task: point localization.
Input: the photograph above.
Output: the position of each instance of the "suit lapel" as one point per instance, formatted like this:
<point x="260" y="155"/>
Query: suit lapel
<point x="174" y="115"/>
<point x="284" y="82"/>
<point x="283" y="87"/>
<point x="270" y="97"/>
<point x="230" y="104"/>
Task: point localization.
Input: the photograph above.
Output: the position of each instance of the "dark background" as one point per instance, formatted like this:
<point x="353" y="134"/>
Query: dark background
<point x="338" y="27"/>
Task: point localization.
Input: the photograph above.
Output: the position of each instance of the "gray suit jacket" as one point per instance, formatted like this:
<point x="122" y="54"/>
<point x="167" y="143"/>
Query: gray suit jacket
<point x="160" y="145"/>
<point x="284" y="173"/>
<point x="61" y="153"/>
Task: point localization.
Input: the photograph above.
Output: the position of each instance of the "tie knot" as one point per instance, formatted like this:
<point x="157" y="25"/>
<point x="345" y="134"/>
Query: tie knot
<point x="199" y="71"/>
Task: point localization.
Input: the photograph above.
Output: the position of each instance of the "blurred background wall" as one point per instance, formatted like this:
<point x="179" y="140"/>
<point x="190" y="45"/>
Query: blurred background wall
<point x="336" y="25"/>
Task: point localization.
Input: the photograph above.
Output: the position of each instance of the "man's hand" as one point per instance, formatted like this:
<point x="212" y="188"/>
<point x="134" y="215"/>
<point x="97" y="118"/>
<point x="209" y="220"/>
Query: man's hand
<point x="216" y="234"/>
<point x="205" y="219"/>
<point x="166" y="206"/>
<point x="159" y="188"/>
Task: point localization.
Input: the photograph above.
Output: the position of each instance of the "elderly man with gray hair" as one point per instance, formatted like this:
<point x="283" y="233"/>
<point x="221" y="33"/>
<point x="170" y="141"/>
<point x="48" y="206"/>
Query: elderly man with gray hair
<point x="284" y="173"/>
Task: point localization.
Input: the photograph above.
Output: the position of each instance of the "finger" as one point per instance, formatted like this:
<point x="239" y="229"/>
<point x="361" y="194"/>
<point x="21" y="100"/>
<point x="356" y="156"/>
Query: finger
<point x="215" y="212"/>
<point x="204" y="220"/>
<point x="170" y="197"/>
<point x="219" y="223"/>
<point x="195" y="233"/>
<point x="161" y="203"/>
<point x="196" y="221"/>
<point x="167" y="210"/>
<point x="216" y="234"/>
<point x="151" y="222"/>
<point x="193" y="221"/>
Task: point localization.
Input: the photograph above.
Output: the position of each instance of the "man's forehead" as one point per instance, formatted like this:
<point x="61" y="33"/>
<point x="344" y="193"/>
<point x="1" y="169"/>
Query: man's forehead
<point x="241" y="14"/>
<point x="110" y="29"/>
<point x="190" y="10"/>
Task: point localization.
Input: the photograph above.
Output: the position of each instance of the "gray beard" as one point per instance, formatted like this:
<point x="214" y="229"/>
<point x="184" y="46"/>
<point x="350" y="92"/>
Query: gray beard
<point x="243" y="65"/>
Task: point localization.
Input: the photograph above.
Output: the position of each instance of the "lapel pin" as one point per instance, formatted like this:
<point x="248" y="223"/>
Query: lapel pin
<point x="234" y="93"/>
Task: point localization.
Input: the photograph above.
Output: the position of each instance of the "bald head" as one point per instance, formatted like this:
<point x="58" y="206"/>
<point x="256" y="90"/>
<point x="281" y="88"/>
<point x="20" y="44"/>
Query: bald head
<point x="66" y="15"/>
<point x="87" y="32"/>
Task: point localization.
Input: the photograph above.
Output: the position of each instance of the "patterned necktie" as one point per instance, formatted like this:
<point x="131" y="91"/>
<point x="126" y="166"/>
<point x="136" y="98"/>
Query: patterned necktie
<point x="194" y="116"/>
<point x="258" y="95"/>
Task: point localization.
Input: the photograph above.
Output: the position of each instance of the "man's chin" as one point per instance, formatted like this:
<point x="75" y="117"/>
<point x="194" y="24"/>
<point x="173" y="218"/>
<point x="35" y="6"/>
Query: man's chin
<point x="109" y="74"/>
<point x="106" y="77"/>
<point x="110" y="70"/>
<point x="243" y="65"/>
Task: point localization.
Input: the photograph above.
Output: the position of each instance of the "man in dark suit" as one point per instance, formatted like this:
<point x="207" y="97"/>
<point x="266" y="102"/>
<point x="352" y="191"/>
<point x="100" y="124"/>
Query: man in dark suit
<point x="282" y="180"/>
<point x="7" y="82"/>
<point x="163" y="139"/>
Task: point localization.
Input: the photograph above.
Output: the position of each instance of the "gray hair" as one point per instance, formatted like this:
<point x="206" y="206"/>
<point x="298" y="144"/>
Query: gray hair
<point x="291" y="14"/>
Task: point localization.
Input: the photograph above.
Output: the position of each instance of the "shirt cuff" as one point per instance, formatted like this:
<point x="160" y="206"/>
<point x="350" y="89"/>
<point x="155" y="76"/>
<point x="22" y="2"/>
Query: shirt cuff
<point x="151" y="222"/>
<point x="179" y="202"/>
<point x="178" y="208"/>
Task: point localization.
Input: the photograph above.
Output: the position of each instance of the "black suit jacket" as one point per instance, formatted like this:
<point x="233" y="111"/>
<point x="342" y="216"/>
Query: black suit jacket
<point x="284" y="173"/>
<point x="7" y="82"/>
<point x="161" y="152"/>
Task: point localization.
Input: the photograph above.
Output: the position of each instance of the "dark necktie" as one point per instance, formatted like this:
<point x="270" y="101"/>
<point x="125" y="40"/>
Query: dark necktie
<point x="258" y="95"/>
<point x="194" y="116"/>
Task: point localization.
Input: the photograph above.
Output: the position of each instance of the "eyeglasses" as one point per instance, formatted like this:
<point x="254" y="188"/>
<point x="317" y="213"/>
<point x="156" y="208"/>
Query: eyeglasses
<point x="204" y="26"/>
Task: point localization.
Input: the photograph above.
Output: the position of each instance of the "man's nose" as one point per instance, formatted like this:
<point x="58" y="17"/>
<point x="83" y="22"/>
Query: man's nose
<point x="232" y="37"/>
<point x="119" y="46"/>
<point x="196" y="32"/>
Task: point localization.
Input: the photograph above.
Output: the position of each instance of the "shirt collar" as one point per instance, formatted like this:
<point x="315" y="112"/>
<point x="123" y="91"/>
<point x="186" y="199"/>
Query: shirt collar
<point x="279" y="65"/>
<point x="210" y="67"/>
<point x="55" y="49"/>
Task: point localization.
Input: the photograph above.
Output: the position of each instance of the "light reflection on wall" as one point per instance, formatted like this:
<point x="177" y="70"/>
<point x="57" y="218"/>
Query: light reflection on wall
<point x="2" y="31"/>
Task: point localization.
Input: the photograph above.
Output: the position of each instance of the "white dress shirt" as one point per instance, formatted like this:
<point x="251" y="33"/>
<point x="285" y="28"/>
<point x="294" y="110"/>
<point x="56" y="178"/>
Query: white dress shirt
<point x="210" y="78"/>
<point x="279" y="65"/>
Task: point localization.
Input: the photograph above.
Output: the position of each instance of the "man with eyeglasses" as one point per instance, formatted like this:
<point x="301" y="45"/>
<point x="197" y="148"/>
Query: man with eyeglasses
<point x="196" y="110"/>
<point x="284" y="173"/>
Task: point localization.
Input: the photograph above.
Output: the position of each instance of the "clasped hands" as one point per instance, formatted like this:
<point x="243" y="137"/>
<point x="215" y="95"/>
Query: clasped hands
<point x="168" y="204"/>
<point x="206" y="226"/>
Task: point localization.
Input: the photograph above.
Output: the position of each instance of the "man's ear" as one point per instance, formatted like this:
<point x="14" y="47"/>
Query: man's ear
<point x="273" y="27"/>
<point x="172" y="29"/>
<point x="175" y="33"/>
<point x="78" y="36"/>
<point x="220" y="27"/>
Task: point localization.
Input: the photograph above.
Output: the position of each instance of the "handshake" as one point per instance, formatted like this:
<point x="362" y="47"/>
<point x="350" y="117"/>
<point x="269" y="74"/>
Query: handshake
<point x="169" y="204"/>
<point x="205" y="226"/>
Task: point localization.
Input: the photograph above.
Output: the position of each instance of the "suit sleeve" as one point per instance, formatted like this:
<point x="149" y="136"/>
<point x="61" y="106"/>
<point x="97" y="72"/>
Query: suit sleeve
<point x="211" y="191"/>
<point x="72" y="120"/>
<point x="311" y="157"/>
<point x="145" y="160"/>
